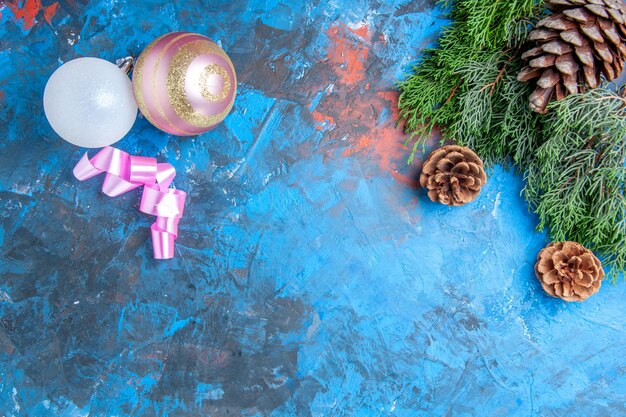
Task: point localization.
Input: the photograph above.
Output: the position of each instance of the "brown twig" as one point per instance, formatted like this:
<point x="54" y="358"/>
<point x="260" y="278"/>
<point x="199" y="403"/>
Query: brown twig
<point x="498" y="78"/>
<point x="456" y="87"/>
<point x="613" y="97"/>
<point x="599" y="155"/>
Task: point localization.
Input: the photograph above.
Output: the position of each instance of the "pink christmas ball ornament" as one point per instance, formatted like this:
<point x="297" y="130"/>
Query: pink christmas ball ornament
<point x="184" y="83"/>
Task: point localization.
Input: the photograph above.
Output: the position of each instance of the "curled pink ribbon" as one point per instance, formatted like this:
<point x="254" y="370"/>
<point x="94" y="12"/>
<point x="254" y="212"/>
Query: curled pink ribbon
<point x="125" y="172"/>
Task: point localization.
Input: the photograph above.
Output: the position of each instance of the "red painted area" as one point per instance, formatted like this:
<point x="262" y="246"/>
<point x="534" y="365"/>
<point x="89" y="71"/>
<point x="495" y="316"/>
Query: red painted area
<point x="25" y="11"/>
<point x="361" y="31"/>
<point x="361" y="132"/>
<point x="348" y="51"/>
<point x="384" y="145"/>
<point x="50" y="11"/>
<point x="392" y="98"/>
<point x="323" y="121"/>
<point x="363" y="113"/>
<point x="384" y="142"/>
<point x="355" y="106"/>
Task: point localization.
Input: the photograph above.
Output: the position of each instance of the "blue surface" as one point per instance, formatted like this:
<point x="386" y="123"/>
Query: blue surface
<point x="312" y="277"/>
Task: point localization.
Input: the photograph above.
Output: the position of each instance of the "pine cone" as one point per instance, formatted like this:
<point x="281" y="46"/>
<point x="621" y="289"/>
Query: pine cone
<point x="578" y="42"/>
<point x="453" y="175"/>
<point x="569" y="271"/>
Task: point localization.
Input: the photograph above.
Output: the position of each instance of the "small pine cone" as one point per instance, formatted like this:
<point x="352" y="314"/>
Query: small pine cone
<point x="569" y="271"/>
<point x="572" y="48"/>
<point x="453" y="175"/>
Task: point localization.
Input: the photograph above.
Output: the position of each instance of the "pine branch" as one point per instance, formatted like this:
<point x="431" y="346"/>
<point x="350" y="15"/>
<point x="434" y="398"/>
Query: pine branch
<point x="576" y="182"/>
<point x="441" y="89"/>
<point x="573" y="158"/>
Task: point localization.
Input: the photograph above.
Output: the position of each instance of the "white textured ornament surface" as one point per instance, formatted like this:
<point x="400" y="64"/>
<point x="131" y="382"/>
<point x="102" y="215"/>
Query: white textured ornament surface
<point x="89" y="102"/>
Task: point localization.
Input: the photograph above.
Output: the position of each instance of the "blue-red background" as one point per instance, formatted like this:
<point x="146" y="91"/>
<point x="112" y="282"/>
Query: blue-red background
<point x="312" y="277"/>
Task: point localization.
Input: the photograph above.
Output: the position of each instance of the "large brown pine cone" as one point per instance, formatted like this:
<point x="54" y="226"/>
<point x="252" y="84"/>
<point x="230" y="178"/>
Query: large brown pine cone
<point x="569" y="271"/>
<point x="573" y="47"/>
<point x="453" y="175"/>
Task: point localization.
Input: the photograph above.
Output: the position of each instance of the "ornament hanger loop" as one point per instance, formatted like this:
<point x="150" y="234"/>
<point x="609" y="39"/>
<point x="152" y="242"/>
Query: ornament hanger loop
<point x="126" y="64"/>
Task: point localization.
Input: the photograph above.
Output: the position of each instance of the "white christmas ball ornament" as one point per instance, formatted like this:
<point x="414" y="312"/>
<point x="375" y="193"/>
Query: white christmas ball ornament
<point x="89" y="102"/>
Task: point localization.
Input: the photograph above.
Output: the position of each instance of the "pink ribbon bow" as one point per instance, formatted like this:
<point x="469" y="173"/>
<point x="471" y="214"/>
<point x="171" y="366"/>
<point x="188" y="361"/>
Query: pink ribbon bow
<point x="125" y="172"/>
